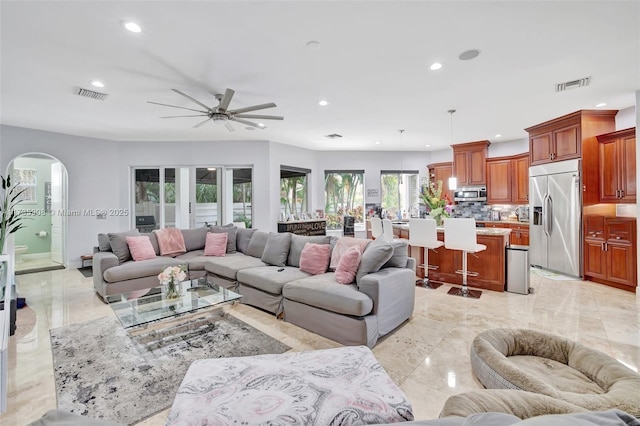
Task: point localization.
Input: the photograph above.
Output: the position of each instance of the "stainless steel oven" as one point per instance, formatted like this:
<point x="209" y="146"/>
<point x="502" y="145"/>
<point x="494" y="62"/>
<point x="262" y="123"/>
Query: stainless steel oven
<point x="470" y="193"/>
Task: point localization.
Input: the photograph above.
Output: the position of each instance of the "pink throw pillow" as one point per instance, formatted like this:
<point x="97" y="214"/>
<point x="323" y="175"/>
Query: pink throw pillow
<point x="348" y="266"/>
<point x="314" y="258"/>
<point x="170" y="241"/>
<point x="216" y="244"/>
<point x="141" y="248"/>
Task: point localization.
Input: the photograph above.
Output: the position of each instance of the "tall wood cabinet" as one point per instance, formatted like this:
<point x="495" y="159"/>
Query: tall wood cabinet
<point x="610" y="251"/>
<point x="508" y="179"/>
<point x="469" y="163"/>
<point x="573" y="136"/>
<point x="441" y="171"/>
<point x="617" y="166"/>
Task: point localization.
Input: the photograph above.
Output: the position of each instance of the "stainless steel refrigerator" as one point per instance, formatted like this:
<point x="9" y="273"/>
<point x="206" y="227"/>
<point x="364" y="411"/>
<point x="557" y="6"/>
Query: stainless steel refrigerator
<point x="555" y="217"/>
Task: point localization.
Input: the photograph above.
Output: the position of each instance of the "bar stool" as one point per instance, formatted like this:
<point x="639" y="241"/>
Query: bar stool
<point x="460" y="234"/>
<point x="422" y="233"/>
<point x="376" y="227"/>
<point x="387" y="230"/>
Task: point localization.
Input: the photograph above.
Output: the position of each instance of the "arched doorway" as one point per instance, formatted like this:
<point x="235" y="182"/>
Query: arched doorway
<point x="41" y="244"/>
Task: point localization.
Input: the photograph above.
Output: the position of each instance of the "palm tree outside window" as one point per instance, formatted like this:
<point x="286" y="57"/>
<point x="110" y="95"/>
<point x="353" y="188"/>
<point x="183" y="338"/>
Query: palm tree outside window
<point x="343" y="196"/>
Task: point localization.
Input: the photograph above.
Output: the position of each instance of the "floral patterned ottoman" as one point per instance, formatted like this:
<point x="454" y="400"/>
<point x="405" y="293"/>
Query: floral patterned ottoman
<point x="339" y="386"/>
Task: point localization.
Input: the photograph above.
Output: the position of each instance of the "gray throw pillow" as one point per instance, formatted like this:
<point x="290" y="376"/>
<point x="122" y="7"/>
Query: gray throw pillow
<point x="375" y="255"/>
<point x="277" y="249"/>
<point x="297" y="244"/>
<point x="243" y="237"/>
<point x="194" y="239"/>
<point x="400" y="254"/>
<point x="119" y="247"/>
<point x="103" y="242"/>
<point x="154" y="242"/>
<point x="231" y="235"/>
<point x="257" y="243"/>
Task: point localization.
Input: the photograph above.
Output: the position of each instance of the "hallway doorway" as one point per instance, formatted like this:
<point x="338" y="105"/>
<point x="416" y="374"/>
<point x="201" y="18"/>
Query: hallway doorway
<point x="41" y="244"/>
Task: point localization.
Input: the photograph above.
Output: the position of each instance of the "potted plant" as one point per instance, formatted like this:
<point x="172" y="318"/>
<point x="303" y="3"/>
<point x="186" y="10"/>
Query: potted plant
<point x="10" y="219"/>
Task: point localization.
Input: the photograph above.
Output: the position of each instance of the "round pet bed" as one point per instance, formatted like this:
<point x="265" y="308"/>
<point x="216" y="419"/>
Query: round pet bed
<point x="554" y="366"/>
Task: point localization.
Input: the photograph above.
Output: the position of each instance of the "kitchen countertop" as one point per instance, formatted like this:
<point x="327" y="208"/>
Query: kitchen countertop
<point x="479" y="231"/>
<point x="507" y="222"/>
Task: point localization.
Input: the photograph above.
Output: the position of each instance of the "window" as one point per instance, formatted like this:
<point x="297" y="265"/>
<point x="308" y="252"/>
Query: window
<point x="399" y="191"/>
<point x="343" y="195"/>
<point x="190" y="197"/>
<point x="293" y="192"/>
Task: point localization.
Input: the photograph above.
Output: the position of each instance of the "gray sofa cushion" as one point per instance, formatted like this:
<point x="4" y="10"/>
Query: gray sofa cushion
<point x="231" y="235"/>
<point x="119" y="247"/>
<point x="297" y="244"/>
<point x="324" y="292"/>
<point x="399" y="256"/>
<point x="243" y="237"/>
<point x="377" y="253"/>
<point x="103" y="242"/>
<point x="257" y="243"/>
<point x="196" y="259"/>
<point x="277" y="249"/>
<point x="194" y="239"/>
<point x="269" y="279"/>
<point x="229" y="265"/>
<point x="140" y="269"/>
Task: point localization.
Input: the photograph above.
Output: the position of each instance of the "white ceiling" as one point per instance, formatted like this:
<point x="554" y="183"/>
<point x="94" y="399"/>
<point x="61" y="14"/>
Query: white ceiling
<point x="372" y="65"/>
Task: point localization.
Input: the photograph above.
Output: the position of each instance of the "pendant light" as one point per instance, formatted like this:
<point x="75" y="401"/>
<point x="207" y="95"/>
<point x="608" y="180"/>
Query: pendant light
<point x="453" y="181"/>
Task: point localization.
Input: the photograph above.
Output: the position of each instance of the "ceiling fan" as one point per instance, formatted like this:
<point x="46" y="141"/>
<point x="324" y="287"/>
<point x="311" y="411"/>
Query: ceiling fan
<point x="221" y="113"/>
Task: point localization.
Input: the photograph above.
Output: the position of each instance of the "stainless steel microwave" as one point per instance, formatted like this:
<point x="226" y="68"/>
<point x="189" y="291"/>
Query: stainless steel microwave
<point x="470" y="193"/>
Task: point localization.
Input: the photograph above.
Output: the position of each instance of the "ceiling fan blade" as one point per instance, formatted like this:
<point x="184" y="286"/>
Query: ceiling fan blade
<point x="176" y="116"/>
<point x="226" y="100"/>
<point x="191" y="99"/>
<point x="248" y="123"/>
<point x="201" y="123"/>
<point x="176" y="106"/>
<point x="253" y="108"/>
<point x="229" y="126"/>
<point x="257" y="116"/>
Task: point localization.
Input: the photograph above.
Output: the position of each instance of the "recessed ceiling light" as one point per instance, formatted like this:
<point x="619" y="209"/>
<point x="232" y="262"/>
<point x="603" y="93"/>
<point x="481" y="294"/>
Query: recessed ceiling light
<point x="427" y="146"/>
<point x="498" y="135"/>
<point x="601" y="104"/>
<point x="97" y="83"/>
<point x="469" y="54"/>
<point x="323" y="103"/>
<point x="211" y="169"/>
<point x="377" y="142"/>
<point x="435" y="66"/>
<point x="133" y="27"/>
<point x="261" y="125"/>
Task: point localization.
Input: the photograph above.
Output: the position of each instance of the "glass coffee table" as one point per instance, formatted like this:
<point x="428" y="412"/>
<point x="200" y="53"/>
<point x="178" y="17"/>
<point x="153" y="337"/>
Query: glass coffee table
<point x="149" y="312"/>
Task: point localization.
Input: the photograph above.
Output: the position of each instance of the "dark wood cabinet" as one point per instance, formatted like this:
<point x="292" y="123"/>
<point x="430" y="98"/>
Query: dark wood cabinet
<point x="469" y="163"/>
<point x="617" y="166"/>
<point x="610" y="251"/>
<point x="442" y="171"/>
<point x="508" y="179"/>
<point x="573" y="136"/>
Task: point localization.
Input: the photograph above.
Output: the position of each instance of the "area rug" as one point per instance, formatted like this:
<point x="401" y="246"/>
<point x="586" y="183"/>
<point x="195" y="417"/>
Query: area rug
<point x="102" y="372"/>
<point x="87" y="271"/>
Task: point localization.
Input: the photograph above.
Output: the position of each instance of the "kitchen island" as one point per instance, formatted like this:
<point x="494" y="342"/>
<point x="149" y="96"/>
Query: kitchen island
<point x="490" y="264"/>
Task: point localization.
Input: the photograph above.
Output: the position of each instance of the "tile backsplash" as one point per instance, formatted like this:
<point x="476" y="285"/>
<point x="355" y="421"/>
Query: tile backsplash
<point x="482" y="211"/>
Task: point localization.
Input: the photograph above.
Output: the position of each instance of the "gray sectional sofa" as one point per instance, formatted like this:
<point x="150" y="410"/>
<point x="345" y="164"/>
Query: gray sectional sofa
<point x="264" y="268"/>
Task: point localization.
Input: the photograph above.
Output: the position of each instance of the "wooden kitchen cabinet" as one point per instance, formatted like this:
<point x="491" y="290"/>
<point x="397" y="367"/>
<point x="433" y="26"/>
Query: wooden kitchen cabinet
<point x="519" y="235"/>
<point x="469" y="163"/>
<point x="617" y="166"/>
<point x="508" y="179"/>
<point x="573" y="136"/>
<point x="442" y="171"/>
<point x="610" y="251"/>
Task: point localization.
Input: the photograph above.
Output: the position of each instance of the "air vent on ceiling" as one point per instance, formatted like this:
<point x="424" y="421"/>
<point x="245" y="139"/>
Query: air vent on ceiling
<point x="333" y="136"/>
<point x="91" y="94"/>
<point x="573" y="84"/>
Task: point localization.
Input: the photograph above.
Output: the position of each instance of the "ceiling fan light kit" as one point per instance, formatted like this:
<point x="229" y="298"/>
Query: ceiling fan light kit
<point x="221" y="112"/>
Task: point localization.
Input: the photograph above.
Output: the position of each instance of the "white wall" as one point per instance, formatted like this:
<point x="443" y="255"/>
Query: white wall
<point x="626" y="118"/>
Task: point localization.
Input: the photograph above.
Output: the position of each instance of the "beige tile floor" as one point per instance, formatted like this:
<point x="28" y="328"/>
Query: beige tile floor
<point x="428" y="357"/>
